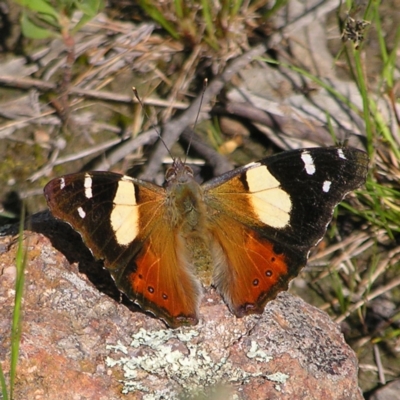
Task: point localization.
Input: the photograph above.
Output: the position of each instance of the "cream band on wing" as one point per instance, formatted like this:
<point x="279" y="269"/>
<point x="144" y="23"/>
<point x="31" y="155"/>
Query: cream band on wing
<point x="270" y="203"/>
<point x="125" y="214"/>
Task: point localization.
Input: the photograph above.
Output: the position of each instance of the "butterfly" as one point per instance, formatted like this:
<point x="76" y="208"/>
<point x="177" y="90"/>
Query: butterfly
<point x="247" y="232"/>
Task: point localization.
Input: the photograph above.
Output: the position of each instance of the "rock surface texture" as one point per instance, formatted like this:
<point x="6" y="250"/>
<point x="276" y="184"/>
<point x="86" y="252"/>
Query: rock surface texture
<point x="79" y="343"/>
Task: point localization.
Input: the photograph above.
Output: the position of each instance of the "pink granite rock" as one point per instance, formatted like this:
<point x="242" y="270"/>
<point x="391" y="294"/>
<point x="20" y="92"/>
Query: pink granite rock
<point x="78" y="343"/>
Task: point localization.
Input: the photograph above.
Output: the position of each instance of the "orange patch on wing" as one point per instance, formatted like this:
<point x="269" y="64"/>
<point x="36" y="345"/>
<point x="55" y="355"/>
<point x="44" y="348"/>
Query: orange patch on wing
<point x="251" y="273"/>
<point x="264" y="272"/>
<point x="266" y="262"/>
<point x="164" y="287"/>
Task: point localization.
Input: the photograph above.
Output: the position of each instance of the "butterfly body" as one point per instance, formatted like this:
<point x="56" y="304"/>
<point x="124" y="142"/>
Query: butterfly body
<point x="247" y="232"/>
<point x="187" y="212"/>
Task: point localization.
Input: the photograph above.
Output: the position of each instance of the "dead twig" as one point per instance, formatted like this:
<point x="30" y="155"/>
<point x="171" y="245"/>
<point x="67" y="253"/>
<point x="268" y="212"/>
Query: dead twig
<point x="119" y="152"/>
<point x="43" y="86"/>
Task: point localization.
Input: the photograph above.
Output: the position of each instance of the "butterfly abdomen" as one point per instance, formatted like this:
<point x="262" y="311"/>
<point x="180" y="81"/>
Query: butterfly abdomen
<point x="187" y="215"/>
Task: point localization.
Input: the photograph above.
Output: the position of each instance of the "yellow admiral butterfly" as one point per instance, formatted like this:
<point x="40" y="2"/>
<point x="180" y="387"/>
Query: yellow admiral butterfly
<point x="247" y="232"/>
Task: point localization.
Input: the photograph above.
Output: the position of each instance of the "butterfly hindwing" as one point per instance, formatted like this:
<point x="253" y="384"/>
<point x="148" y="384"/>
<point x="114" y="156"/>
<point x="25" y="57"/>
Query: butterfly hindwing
<point x="249" y="269"/>
<point x="160" y="281"/>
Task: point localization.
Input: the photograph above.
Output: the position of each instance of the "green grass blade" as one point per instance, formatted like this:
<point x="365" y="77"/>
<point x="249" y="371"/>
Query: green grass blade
<point x="21" y="259"/>
<point x="157" y="16"/>
<point x="3" y="384"/>
<point x="209" y="21"/>
<point x="179" y="8"/>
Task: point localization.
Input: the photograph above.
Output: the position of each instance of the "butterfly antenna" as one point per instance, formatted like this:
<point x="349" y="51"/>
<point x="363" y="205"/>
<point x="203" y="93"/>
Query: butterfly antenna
<point x="135" y="92"/>
<point x="205" y="83"/>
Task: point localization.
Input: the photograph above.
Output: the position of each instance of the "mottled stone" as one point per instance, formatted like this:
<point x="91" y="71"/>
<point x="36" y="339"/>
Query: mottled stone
<point x="78" y="343"/>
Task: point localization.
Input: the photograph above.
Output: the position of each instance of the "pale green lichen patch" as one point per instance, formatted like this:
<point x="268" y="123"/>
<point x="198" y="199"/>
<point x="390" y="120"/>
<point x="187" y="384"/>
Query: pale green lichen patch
<point x="278" y="377"/>
<point x="167" y="363"/>
<point x="258" y="354"/>
<point x="119" y="347"/>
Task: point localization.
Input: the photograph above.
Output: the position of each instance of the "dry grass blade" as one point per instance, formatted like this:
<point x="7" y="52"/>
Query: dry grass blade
<point x="372" y="295"/>
<point x="30" y="83"/>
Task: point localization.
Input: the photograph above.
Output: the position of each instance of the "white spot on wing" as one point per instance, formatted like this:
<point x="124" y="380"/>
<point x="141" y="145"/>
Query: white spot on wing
<point x="341" y="154"/>
<point x="88" y="186"/>
<point x="326" y="186"/>
<point x="270" y="203"/>
<point x="62" y="183"/>
<point x="125" y="214"/>
<point x="308" y="162"/>
<point x="81" y="213"/>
